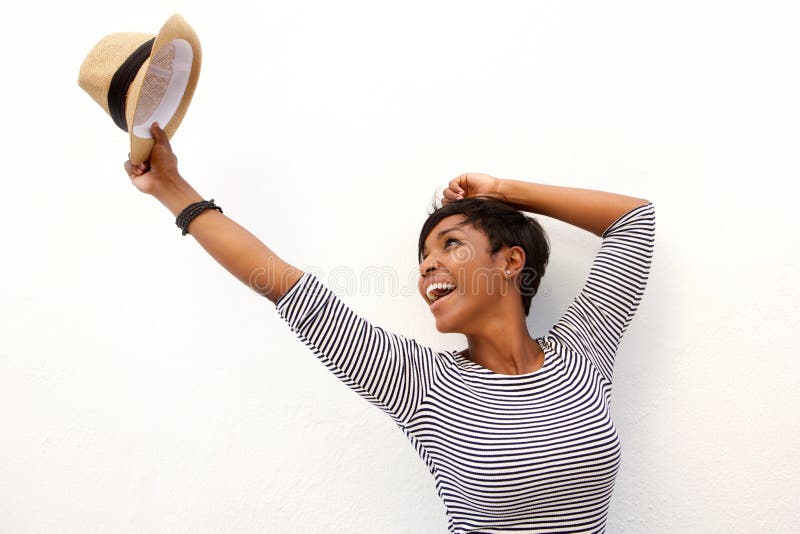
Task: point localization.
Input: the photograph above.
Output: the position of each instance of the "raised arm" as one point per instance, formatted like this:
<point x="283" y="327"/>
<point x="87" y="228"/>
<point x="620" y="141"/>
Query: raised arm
<point x="236" y="249"/>
<point x="597" y="318"/>
<point x="589" y="209"/>
<point x="391" y="371"/>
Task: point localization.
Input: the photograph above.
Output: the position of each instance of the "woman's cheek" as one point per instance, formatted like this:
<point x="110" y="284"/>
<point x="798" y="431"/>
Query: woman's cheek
<point x="464" y="253"/>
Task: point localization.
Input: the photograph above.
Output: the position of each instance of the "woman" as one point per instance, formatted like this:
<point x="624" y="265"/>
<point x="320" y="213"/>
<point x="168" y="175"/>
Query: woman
<point x="515" y="430"/>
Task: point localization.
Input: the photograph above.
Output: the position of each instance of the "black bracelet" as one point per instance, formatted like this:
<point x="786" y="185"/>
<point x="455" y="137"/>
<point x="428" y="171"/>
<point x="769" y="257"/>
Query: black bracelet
<point x="190" y="212"/>
<point x="193" y="210"/>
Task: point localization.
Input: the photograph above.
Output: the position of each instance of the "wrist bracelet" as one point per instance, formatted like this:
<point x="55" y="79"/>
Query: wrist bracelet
<point x="191" y="211"/>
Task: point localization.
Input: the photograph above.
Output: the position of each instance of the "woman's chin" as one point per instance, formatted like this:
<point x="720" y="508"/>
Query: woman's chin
<point x="449" y="318"/>
<point x="446" y="326"/>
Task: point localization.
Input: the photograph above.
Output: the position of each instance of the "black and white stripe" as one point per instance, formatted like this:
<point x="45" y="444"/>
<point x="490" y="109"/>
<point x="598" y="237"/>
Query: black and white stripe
<point x="509" y="453"/>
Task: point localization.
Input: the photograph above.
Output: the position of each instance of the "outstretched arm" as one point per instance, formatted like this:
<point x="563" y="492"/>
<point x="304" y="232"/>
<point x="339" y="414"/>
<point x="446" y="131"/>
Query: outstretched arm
<point x="391" y="371"/>
<point x="236" y="249"/>
<point x="589" y="209"/>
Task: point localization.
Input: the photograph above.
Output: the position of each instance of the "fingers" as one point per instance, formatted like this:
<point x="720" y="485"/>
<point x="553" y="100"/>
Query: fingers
<point x="454" y="190"/>
<point x="455" y="183"/>
<point x="130" y="169"/>
<point x="136" y="170"/>
<point x="159" y="135"/>
<point x="450" y="195"/>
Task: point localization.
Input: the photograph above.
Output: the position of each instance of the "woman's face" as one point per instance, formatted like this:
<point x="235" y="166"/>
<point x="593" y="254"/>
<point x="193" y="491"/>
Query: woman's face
<point x="458" y="255"/>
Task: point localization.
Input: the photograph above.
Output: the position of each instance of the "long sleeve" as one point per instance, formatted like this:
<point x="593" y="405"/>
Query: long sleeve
<point x="596" y="320"/>
<point x="389" y="370"/>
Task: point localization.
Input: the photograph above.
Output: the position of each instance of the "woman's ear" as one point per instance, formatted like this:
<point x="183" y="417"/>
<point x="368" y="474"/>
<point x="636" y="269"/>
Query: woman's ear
<point x="515" y="259"/>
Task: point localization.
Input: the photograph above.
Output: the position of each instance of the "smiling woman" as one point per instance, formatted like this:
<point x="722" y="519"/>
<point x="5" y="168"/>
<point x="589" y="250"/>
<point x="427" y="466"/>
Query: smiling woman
<point x="515" y="430"/>
<point x="482" y="226"/>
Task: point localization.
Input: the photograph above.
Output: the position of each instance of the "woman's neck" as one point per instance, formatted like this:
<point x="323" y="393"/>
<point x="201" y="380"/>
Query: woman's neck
<point x="504" y="348"/>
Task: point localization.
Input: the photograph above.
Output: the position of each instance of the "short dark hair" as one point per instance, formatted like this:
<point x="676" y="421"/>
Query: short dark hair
<point x="503" y="225"/>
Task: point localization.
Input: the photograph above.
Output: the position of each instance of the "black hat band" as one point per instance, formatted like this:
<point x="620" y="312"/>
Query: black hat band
<point x="121" y="81"/>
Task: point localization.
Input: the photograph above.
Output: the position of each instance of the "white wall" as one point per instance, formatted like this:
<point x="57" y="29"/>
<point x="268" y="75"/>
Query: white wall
<point x="144" y="389"/>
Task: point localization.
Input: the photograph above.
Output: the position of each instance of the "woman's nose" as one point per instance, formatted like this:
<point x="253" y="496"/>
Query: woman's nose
<point x="427" y="266"/>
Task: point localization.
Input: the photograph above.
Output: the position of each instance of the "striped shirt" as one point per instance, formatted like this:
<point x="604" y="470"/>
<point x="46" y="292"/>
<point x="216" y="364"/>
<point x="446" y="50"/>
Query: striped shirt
<point x="535" y="452"/>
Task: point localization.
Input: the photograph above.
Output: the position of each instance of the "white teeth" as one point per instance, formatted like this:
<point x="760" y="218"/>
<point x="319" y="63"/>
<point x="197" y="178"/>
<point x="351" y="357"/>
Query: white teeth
<point x="438" y="285"/>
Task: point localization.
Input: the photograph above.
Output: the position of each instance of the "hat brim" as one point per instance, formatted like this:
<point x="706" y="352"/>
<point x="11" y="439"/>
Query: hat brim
<point x="175" y="28"/>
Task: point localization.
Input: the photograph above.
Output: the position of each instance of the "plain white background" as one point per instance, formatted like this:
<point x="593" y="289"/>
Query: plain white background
<point x="144" y="389"/>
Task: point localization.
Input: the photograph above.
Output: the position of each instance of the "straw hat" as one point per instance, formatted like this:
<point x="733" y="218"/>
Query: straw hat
<point x="139" y="79"/>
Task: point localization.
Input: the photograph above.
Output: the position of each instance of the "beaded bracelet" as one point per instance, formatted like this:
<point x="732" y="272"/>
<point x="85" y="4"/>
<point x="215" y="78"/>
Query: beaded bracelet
<point x="193" y="210"/>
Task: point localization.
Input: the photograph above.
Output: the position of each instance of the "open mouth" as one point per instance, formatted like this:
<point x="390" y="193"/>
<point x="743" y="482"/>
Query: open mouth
<point x="439" y="291"/>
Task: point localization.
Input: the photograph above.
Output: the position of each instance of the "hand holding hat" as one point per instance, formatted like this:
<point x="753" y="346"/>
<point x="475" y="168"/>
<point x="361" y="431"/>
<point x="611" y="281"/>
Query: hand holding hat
<point x="159" y="176"/>
<point x="139" y="79"/>
<point x="160" y="171"/>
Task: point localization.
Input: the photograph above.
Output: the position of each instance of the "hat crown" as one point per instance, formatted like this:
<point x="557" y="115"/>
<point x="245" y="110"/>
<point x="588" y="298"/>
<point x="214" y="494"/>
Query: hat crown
<point x="104" y="59"/>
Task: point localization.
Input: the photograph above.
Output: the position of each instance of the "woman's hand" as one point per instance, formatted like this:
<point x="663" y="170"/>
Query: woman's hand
<point x="472" y="184"/>
<point x="160" y="171"/>
<point x="159" y="176"/>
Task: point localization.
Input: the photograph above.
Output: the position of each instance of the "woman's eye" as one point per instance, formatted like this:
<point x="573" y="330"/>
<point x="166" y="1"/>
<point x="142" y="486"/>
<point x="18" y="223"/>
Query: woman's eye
<point x="446" y="245"/>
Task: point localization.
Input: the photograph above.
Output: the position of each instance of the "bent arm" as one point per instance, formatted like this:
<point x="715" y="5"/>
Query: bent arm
<point x="596" y="320"/>
<point x="589" y="209"/>
<point x="598" y="317"/>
